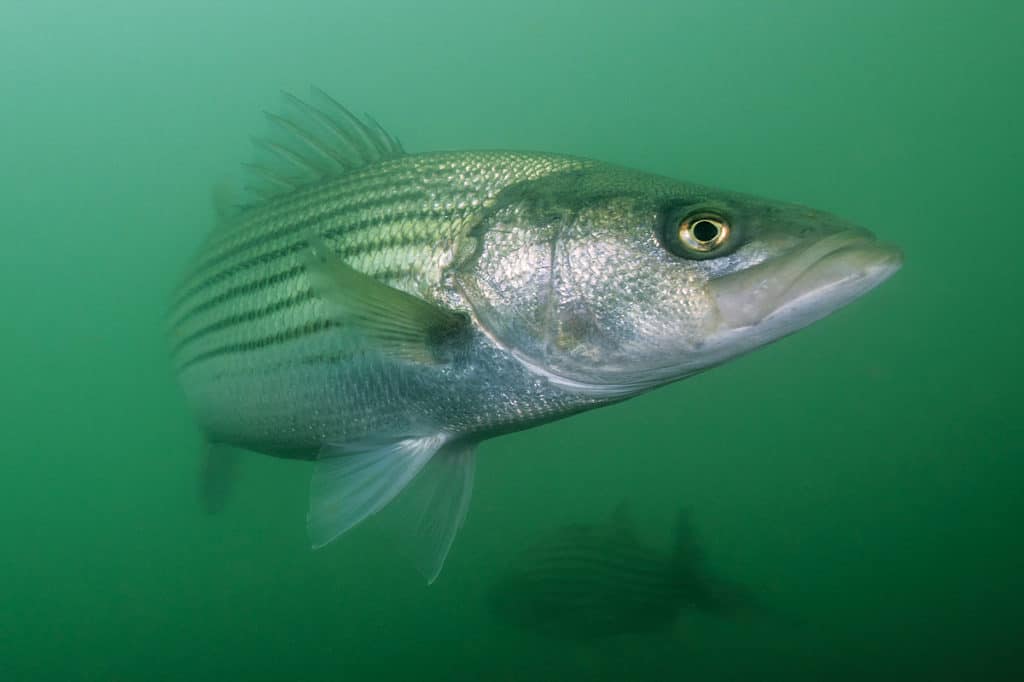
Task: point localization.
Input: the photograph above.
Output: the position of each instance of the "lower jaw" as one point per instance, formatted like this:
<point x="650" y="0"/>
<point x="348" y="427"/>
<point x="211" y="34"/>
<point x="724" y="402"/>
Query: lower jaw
<point x="802" y="311"/>
<point x="806" y="284"/>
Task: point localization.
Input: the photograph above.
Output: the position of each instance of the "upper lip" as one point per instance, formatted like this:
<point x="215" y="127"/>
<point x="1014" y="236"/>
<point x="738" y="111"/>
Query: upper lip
<point x="747" y="297"/>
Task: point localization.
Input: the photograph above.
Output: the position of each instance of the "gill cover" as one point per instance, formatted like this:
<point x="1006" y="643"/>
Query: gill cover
<point x="570" y="279"/>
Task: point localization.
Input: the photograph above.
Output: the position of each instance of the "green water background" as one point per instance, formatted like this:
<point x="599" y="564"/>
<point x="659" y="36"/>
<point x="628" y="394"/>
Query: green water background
<point x="863" y="476"/>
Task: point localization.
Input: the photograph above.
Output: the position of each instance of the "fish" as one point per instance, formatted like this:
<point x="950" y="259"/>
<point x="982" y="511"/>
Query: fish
<point x="590" y="581"/>
<point x="381" y="313"/>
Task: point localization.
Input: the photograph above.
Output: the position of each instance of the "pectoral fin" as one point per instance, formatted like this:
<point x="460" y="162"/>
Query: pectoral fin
<point x="397" y="322"/>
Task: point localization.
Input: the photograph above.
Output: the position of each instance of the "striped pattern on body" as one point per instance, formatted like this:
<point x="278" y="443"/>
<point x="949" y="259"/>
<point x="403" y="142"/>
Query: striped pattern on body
<point x="589" y="581"/>
<point x="584" y="562"/>
<point x="400" y="221"/>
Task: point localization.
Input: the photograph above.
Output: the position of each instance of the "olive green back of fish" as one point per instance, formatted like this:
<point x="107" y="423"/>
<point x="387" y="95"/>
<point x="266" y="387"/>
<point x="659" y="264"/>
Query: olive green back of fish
<point x="402" y="221"/>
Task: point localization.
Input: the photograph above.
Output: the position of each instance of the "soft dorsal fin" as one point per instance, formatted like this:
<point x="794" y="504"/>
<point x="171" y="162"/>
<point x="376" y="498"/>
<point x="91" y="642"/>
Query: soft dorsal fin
<point x="311" y="141"/>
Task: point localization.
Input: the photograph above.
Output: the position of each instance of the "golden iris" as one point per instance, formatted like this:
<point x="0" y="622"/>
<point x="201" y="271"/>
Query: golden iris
<point x="703" y="233"/>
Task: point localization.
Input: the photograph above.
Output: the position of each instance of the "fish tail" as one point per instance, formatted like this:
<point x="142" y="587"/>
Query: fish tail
<point x="217" y="471"/>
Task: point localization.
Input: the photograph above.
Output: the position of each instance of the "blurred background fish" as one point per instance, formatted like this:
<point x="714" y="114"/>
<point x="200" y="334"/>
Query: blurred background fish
<point x="585" y="581"/>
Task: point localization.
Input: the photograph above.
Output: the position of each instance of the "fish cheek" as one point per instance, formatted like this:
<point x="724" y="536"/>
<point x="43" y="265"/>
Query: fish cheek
<point x="576" y="332"/>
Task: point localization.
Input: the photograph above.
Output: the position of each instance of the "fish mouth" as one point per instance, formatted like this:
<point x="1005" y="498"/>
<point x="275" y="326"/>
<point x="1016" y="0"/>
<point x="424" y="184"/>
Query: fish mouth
<point x="762" y="304"/>
<point x="790" y="291"/>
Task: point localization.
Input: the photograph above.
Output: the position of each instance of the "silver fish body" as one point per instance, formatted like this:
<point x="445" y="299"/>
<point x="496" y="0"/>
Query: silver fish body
<point x="266" y="366"/>
<point x="375" y="309"/>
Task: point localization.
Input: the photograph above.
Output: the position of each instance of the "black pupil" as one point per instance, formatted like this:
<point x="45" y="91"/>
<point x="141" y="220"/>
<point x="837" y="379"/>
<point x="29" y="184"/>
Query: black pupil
<point x="704" y="230"/>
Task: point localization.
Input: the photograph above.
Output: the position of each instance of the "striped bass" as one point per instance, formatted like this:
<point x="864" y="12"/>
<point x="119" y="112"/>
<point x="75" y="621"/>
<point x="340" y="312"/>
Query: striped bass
<point x="377" y="311"/>
<point x="585" y="581"/>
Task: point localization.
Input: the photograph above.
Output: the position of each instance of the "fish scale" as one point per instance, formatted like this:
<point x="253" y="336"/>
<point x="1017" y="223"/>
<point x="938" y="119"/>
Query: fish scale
<point x="382" y="313"/>
<point x="243" y="273"/>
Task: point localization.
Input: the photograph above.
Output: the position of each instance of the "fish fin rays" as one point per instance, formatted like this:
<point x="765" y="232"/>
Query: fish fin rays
<point x="355" y="481"/>
<point x="399" y="323"/>
<point x="439" y="500"/>
<point x="311" y="141"/>
<point x="352" y="482"/>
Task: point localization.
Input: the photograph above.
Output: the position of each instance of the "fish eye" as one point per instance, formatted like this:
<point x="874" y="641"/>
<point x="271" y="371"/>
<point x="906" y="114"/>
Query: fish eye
<point x="697" y="235"/>
<point x="704" y="234"/>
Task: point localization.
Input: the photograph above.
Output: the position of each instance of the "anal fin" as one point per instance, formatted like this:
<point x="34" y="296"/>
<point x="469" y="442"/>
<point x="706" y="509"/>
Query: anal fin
<point x="440" y="499"/>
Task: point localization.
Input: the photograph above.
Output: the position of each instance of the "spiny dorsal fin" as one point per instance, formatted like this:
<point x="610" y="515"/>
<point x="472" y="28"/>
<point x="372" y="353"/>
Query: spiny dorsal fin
<point x="310" y="142"/>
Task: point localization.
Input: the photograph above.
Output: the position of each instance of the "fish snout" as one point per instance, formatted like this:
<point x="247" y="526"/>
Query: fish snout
<point x="809" y="281"/>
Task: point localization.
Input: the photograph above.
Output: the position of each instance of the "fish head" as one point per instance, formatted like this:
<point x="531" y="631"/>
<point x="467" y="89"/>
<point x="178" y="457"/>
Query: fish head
<point x="611" y="281"/>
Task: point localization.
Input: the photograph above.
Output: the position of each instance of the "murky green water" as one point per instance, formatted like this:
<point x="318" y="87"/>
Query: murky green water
<point x="864" y="477"/>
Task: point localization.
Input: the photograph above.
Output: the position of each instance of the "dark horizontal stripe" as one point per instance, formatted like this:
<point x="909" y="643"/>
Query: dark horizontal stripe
<point x="491" y="171"/>
<point x="605" y="558"/>
<point x="585" y="581"/>
<point x="299" y="224"/>
<point x="604" y="596"/>
<point x="296" y="207"/>
<point x="325" y="358"/>
<point x="644" y="580"/>
<point x="345" y="252"/>
<point x="239" y="290"/>
<point x="656" y="576"/>
<point x="308" y="329"/>
<point x="626" y="560"/>
<point x="308" y="360"/>
<point x="570" y="586"/>
<point x="247" y="316"/>
<point x="386" y="276"/>
<point x="594" y="548"/>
